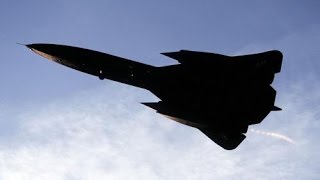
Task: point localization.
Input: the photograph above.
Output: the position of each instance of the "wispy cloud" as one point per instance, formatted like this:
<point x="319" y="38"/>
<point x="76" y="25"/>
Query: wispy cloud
<point x="96" y="137"/>
<point x="106" y="134"/>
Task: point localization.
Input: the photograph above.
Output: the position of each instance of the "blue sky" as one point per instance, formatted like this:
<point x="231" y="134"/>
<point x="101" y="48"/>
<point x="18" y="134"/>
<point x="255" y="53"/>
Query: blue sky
<point x="57" y="123"/>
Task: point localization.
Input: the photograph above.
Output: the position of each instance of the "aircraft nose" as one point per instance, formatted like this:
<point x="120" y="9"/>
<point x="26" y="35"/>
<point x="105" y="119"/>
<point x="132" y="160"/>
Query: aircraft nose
<point x="30" y="46"/>
<point x="37" y="47"/>
<point x="44" y="50"/>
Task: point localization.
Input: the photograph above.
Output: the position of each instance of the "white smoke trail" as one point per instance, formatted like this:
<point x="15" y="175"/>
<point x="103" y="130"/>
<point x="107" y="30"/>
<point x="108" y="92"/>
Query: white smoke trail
<point x="274" y="135"/>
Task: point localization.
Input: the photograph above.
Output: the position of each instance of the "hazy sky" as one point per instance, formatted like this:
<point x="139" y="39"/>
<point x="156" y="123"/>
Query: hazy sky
<point x="57" y="123"/>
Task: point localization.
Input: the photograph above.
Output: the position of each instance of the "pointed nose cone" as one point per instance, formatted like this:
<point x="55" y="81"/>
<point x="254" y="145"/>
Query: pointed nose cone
<point x="48" y="51"/>
<point x="35" y="46"/>
<point x="30" y="46"/>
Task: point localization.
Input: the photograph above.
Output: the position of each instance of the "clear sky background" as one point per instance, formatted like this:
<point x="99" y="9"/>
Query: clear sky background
<point x="57" y="123"/>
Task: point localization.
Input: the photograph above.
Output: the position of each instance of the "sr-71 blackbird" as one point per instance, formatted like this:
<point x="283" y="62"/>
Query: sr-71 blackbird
<point x="219" y="95"/>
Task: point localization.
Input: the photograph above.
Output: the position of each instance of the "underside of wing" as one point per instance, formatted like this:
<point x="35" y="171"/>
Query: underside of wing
<point x="224" y="94"/>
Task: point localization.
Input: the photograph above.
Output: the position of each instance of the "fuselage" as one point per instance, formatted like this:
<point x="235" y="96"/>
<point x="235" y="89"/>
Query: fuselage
<point x="220" y="95"/>
<point x="220" y="88"/>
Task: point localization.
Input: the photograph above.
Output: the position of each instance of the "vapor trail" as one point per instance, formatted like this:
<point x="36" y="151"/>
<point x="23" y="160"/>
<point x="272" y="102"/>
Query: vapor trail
<point x="274" y="135"/>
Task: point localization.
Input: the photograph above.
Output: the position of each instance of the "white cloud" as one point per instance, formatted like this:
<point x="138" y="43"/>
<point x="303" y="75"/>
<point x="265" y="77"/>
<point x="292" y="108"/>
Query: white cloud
<point x="103" y="136"/>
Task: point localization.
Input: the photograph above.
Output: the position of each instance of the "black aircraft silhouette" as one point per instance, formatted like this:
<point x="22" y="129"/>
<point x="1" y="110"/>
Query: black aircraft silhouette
<point x="220" y="95"/>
